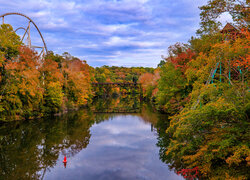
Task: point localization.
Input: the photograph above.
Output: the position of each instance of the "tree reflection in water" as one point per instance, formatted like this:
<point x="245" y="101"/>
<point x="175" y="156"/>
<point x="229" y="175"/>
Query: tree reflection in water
<point x="29" y="149"/>
<point x="127" y="103"/>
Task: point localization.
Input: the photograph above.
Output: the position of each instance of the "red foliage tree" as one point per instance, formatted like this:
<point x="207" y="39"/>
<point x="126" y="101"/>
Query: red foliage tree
<point x="180" y="55"/>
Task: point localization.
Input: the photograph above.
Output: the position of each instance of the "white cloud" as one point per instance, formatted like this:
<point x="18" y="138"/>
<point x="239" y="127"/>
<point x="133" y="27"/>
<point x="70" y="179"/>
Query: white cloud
<point x="225" y="18"/>
<point x="118" y="41"/>
<point x="120" y="32"/>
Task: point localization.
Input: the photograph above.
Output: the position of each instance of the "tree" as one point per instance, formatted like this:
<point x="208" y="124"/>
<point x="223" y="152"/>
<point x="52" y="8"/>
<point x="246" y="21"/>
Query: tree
<point x="172" y="89"/>
<point x="23" y="92"/>
<point x="53" y="97"/>
<point x="179" y="56"/>
<point x="238" y="9"/>
<point x="9" y="42"/>
<point x="162" y="62"/>
<point x="9" y="45"/>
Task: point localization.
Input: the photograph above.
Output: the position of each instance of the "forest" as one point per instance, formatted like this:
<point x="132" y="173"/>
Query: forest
<point x="203" y="85"/>
<point x="32" y="87"/>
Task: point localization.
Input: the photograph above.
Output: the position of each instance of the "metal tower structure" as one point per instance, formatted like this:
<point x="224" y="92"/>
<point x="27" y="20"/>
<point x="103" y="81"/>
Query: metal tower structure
<point x="42" y="49"/>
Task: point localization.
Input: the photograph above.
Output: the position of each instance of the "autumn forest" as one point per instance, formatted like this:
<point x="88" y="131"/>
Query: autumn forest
<point x="202" y="86"/>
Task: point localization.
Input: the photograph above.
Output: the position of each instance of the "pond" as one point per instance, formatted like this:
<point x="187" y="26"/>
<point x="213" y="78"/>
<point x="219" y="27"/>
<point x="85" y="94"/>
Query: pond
<point x="96" y="145"/>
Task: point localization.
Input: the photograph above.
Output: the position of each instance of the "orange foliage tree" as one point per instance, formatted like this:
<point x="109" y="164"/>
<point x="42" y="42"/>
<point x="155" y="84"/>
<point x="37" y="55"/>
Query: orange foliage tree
<point x="32" y="86"/>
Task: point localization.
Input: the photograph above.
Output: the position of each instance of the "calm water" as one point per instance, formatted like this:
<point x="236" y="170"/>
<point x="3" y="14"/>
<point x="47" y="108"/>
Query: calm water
<point x="97" y="146"/>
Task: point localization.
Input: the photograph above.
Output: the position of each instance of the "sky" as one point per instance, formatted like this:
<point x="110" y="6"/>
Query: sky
<point x="108" y="32"/>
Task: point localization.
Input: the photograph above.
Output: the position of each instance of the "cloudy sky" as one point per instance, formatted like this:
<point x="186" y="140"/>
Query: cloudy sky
<point x="109" y="32"/>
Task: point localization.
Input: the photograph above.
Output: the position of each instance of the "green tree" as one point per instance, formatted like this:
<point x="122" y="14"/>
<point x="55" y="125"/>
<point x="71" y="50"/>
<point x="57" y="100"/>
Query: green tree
<point x="53" y="97"/>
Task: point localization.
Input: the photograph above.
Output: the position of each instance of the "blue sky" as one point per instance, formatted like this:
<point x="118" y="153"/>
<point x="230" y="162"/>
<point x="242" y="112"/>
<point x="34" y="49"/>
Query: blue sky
<point x="109" y="32"/>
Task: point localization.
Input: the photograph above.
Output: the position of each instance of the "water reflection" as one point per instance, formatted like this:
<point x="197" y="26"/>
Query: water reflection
<point x="97" y="146"/>
<point x="121" y="147"/>
<point x="127" y="103"/>
<point x="29" y="149"/>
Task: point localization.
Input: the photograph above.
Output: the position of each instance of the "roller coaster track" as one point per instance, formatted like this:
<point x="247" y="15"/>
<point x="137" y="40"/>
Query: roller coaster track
<point x="210" y="78"/>
<point x="27" y="30"/>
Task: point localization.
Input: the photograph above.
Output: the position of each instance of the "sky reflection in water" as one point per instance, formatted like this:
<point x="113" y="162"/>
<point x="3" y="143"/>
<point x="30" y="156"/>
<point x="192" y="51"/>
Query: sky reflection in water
<point x="120" y="148"/>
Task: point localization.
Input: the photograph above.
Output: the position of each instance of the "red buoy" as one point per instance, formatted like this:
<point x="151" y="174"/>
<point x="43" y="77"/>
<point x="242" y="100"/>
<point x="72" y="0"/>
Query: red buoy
<point x="65" y="160"/>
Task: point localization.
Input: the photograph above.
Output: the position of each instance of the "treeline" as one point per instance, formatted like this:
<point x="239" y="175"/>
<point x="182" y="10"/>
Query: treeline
<point x="204" y="85"/>
<point x="33" y="87"/>
<point x="120" y="74"/>
<point x="114" y="74"/>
